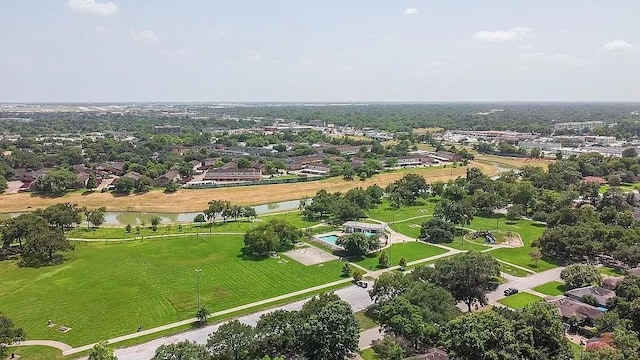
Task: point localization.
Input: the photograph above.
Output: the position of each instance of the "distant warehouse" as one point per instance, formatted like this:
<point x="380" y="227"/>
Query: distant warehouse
<point x="579" y="125"/>
<point x="167" y="129"/>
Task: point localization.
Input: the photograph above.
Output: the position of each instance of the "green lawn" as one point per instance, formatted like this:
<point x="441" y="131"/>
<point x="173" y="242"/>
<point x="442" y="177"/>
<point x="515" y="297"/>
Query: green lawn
<point x="36" y="353"/>
<point x="519" y="300"/>
<point x="577" y="350"/>
<point x="220" y="227"/>
<point x="553" y="288"/>
<point x="369" y="354"/>
<point x="624" y="187"/>
<point x="411" y="251"/>
<point x="105" y="290"/>
<point x="364" y="320"/>
<point x="610" y="271"/>
<point x="410" y="228"/>
<point x="529" y="232"/>
<point x="386" y="213"/>
<point x="461" y="244"/>
<point x="513" y="270"/>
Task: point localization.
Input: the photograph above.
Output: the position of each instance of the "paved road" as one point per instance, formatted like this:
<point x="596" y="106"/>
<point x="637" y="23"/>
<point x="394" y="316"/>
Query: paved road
<point x="367" y="337"/>
<point x="354" y="295"/>
<point x="528" y="282"/>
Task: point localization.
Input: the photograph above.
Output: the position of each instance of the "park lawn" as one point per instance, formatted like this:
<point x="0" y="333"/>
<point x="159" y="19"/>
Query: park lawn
<point x="461" y="244"/>
<point x="605" y="270"/>
<point x="410" y="228"/>
<point x="577" y="350"/>
<point x="519" y="300"/>
<point x="369" y="354"/>
<point x="624" y="187"/>
<point x="553" y="288"/>
<point x="36" y="353"/>
<point x="411" y="251"/>
<point x="513" y="270"/>
<point x="106" y="290"/>
<point x="529" y="232"/>
<point x="364" y="321"/>
<point x="240" y="226"/>
<point x="384" y="212"/>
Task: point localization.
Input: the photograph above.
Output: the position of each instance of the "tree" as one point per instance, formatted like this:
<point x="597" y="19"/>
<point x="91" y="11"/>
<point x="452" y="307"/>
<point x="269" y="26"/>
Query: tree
<point x="358" y="244"/>
<point x="101" y="351"/>
<point x="232" y="341"/>
<point x="3" y="184"/>
<point x="630" y="153"/>
<point x="535" y="255"/>
<point x="614" y="180"/>
<point x="17" y="229"/>
<point x="407" y="190"/>
<point x="383" y="260"/>
<point x="468" y="276"/>
<point x="214" y="209"/>
<point x="346" y="270"/>
<point x="57" y="182"/>
<point x="358" y="275"/>
<point x="515" y="212"/>
<point x="388" y="349"/>
<point x="457" y="212"/>
<point x="388" y="286"/>
<point x="469" y="338"/>
<point x="63" y="216"/>
<point x="92" y="182"/>
<point x="128" y="228"/>
<point x="184" y="350"/>
<point x="277" y="333"/>
<point x="125" y="185"/>
<point x="171" y="187"/>
<point x="202" y="315"/>
<point x="330" y="332"/>
<point x="9" y="333"/>
<point x="199" y="218"/>
<point x="97" y="216"/>
<point x="579" y="275"/>
<point x="541" y="332"/>
<point x="42" y="247"/>
<point x="155" y="221"/>
<point x="144" y="184"/>
<point x="437" y="231"/>
<point x="275" y="235"/>
<point x="402" y="263"/>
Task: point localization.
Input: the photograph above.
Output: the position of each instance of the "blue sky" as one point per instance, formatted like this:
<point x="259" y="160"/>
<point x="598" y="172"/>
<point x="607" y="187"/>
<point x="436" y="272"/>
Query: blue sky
<point x="348" y="50"/>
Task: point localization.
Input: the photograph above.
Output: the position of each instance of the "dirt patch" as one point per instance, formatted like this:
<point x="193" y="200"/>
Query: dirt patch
<point x="309" y="255"/>
<point x="197" y="199"/>
<point x="13" y="187"/>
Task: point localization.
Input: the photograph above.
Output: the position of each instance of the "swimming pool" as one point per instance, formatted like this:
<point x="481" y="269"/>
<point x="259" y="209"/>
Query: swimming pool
<point x="329" y="239"/>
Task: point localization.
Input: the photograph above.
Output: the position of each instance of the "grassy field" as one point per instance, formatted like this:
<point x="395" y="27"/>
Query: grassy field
<point x="36" y="353"/>
<point x="461" y="244"/>
<point x="106" y="290"/>
<point x="610" y="271"/>
<point x="519" y="300"/>
<point x="411" y="251"/>
<point x="529" y="232"/>
<point x="196" y="200"/>
<point x="624" y="187"/>
<point x="511" y="162"/>
<point x="231" y="226"/>
<point x="369" y="354"/>
<point x="364" y="320"/>
<point x="553" y="288"/>
<point x="386" y="213"/>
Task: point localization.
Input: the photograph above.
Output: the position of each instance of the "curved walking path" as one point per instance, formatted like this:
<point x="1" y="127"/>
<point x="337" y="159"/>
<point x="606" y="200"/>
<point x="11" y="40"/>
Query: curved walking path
<point x="54" y="344"/>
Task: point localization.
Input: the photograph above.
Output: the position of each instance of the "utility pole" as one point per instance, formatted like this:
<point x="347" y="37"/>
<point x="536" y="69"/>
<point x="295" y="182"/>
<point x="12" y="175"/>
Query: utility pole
<point x="198" y="285"/>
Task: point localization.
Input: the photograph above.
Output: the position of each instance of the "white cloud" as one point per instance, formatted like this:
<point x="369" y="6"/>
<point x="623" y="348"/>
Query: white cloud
<point x="618" y="46"/>
<point x="144" y="35"/>
<point x="436" y="65"/>
<point x="346" y="68"/>
<point x="411" y="11"/>
<point x="503" y="35"/>
<point x="542" y="56"/>
<point x="93" y="7"/>
<point x="254" y="55"/>
<point x="101" y="28"/>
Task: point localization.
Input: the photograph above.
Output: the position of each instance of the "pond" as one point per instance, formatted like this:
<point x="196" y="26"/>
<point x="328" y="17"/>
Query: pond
<point x="122" y="218"/>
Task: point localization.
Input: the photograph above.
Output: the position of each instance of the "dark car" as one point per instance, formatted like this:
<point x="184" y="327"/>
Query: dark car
<point x="510" y="291"/>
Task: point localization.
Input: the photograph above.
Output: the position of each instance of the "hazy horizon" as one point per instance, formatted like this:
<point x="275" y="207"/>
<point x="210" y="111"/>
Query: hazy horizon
<point x="497" y="51"/>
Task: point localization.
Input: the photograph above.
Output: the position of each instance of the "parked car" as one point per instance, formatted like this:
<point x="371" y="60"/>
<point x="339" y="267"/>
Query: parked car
<point x="510" y="291"/>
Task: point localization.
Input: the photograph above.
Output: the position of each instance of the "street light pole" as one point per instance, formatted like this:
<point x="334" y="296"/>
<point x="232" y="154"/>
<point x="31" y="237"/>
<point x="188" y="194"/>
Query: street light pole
<point x="198" y="284"/>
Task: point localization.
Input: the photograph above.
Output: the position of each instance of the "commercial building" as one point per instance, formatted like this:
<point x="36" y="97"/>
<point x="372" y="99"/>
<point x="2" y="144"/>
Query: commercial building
<point x="579" y="125"/>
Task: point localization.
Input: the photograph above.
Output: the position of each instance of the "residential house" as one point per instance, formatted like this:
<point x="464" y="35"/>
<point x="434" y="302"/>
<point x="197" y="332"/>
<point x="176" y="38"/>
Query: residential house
<point x="250" y="174"/>
<point x="360" y="227"/>
<point x="166" y="179"/>
<point x="114" y="168"/>
<point x="133" y="175"/>
<point x="611" y="282"/>
<point x="569" y="309"/>
<point x="316" y="170"/>
<point x="431" y="354"/>
<point x="449" y="156"/>
<point x="600" y="294"/>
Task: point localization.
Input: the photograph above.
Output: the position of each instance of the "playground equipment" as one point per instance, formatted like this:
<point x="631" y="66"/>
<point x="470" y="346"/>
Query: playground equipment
<point x="488" y="238"/>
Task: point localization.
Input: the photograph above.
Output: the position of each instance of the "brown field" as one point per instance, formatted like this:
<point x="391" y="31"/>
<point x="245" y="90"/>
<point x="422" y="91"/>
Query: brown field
<point x="431" y="130"/>
<point x="196" y="200"/>
<point x="511" y="162"/>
